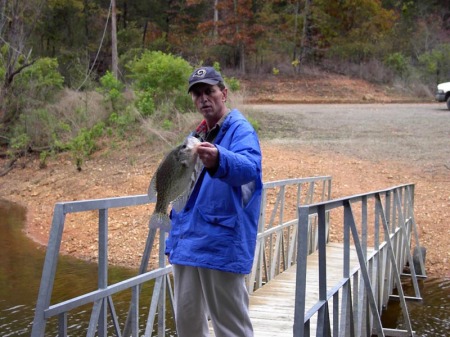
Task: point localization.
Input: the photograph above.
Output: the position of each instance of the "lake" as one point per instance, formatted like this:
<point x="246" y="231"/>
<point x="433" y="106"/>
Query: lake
<point x="21" y="262"/>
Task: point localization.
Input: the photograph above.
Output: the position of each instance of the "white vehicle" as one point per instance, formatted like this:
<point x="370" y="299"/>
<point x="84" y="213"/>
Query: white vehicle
<point x="443" y="93"/>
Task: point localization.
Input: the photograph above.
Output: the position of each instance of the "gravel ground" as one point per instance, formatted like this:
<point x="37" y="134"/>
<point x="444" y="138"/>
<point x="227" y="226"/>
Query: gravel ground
<point x="364" y="147"/>
<point x="418" y="134"/>
<point x="368" y="147"/>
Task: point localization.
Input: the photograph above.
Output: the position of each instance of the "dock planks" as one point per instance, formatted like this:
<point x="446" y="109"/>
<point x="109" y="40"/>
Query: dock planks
<point x="272" y="306"/>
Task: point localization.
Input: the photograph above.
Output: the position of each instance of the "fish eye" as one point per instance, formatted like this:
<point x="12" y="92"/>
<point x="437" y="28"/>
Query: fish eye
<point x="184" y="146"/>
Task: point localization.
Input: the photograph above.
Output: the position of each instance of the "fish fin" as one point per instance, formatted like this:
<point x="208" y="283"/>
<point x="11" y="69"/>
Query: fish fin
<point x="179" y="202"/>
<point x="160" y="220"/>
<point x="152" y="189"/>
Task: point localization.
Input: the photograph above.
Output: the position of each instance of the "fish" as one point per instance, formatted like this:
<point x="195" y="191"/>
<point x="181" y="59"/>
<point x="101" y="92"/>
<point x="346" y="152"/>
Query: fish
<point x="171" y="181"/>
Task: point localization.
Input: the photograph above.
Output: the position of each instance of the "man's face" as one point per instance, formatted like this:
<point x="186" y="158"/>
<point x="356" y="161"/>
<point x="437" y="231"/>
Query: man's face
<point x="209" y="101"/>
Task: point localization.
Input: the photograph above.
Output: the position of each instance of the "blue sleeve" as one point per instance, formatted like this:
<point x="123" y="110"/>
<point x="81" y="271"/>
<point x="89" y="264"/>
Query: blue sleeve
<point x="241" y="163"/>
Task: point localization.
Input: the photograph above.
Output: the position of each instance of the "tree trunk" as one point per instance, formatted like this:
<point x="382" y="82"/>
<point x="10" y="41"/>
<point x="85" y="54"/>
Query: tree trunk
<point x="17" y="20"/>
<point x="306" y="49"/>
<point x="242" y="58"/>
<point x="241" y="49"/>
<point x="114" y="58"/>
<point x="216" y="20"/>
<point x="297" y="5"/>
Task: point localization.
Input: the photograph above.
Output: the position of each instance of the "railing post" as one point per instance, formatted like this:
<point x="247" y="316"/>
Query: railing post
<point x="300" y="283"/>
<point x="103" y="268"/>
<point x="350" y="222"/>
<point x="62" y="324"/>
<point x="396" y="279"/>
<point x="49" y="270"/>
<point x="323" y="319"/>
<point x="162" y="295"/>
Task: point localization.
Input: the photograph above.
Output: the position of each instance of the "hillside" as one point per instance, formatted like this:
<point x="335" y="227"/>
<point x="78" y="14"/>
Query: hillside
<point x="127" y="168"/>
<point x="325" y="88"/>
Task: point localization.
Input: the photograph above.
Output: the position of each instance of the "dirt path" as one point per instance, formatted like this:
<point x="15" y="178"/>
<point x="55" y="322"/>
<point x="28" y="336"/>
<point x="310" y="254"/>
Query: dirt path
<point x="363" y="147"/>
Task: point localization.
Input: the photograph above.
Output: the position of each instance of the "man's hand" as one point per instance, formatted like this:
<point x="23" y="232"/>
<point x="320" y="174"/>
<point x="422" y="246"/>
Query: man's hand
<point x="208" y="154"/>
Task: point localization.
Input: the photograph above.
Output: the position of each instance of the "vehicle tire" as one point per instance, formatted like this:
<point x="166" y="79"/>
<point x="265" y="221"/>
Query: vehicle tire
<point x="448" y="102"/>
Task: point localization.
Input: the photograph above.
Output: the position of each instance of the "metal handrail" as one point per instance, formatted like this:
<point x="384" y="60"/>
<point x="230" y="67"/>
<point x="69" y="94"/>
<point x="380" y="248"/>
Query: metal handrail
<point x="377" y="273"/>
<point x="306" y="191"/>
<point x="277" y="238"/>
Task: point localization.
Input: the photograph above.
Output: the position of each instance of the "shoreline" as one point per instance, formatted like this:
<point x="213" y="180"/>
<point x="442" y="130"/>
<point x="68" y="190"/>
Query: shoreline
<point x="129" y="230"/>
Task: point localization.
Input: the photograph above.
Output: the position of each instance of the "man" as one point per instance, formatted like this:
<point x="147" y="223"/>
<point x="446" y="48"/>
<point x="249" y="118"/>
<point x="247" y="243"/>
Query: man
<point x="212" y="241"/>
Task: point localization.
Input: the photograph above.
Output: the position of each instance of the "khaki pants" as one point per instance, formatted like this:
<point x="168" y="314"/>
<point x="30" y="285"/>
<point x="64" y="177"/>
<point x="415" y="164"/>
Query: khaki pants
<point x="201" y="292"/>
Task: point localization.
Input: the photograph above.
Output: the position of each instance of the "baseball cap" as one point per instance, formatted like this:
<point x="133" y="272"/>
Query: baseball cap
<point x="207" y="75"/>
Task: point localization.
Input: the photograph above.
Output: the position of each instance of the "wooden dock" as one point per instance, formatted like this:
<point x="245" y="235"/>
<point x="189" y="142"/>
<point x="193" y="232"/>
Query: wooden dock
<point x="350" y="303"/>
<point x="272" y="306"/>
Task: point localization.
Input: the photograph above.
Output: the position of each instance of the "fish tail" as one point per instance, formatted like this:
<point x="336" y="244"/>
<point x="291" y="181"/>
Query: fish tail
<point x="160" y="220"/>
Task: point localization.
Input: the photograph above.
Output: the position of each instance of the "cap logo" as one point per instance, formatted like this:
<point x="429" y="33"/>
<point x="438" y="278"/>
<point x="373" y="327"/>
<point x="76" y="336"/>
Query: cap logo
<point x="200" y="73"/>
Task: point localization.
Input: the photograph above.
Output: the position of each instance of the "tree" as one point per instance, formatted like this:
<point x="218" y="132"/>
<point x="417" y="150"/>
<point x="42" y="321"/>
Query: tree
<point x="306" y="50"/>
<point x="236" y="29"/>
<point x="17" y="20"/>
<point x="114" y="57"/>
<point x="351" y="29"/>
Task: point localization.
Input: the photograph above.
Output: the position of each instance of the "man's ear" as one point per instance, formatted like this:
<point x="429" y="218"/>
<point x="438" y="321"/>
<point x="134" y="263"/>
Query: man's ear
<point x="225" y="94"/>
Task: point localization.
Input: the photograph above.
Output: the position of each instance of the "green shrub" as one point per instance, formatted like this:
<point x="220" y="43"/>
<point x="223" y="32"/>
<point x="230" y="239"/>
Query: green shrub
<point x="32" y="88"/>
<point x="167" y="124"/>
<point x="2" y="69"/>
<point x="112" y="89"/>
<point x="158" y="77"/>
<point x="40" y="128"/>
<point x="398" y="63"/>
<point x="83" y="145"/>
<point x="162" y="74"/>
<point x="145" y="103"/>
<point x="183" y="103"/>
<point x="20" y="142"/>
<point x="120" y="123"/>
<point x="233" y="83"/>
<point x="435" y="65"/>
<point x="43" y="159"/>
<point x="41" y="80"/>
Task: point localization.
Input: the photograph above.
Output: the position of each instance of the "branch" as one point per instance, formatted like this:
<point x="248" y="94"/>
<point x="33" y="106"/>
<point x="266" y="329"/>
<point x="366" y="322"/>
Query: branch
<point x="17" y="71"/>
<point x="9" y="167"/>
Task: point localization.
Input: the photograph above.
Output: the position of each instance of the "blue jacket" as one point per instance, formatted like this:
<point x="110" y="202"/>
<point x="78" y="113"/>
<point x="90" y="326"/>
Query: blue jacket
<point x="218" y="226"/>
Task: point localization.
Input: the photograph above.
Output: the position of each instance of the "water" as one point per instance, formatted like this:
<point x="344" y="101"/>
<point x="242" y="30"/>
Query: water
<point x="429" y="317"/>
<point x="21" y="262"/>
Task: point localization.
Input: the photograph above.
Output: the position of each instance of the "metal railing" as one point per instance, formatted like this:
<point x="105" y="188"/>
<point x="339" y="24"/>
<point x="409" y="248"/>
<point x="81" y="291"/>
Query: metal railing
<point x="276" y="251"/>
<point x="380" y="227"/>
<point x="278" y="224"/>
<point x="102" y="297"/>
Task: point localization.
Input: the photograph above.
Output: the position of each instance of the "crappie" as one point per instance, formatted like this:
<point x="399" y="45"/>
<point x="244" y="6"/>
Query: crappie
<point x="171" y="180"/>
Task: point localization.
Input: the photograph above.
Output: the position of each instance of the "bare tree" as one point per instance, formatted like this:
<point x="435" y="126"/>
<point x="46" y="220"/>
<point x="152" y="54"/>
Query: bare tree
<point x="306" y="49"/>
<point x="114" y="57"/>
<point x="241" y="47"/>
<point x="17" y="20"/>
<point x="216" y="19"/>
<point x="296" y="10"/>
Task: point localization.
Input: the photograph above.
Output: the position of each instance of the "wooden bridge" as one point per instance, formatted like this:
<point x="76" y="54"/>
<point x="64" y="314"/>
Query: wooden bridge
<point x="322" y="267"/>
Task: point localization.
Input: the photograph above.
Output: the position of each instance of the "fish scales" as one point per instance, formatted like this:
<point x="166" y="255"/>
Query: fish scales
<point x="171" y="180"/>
